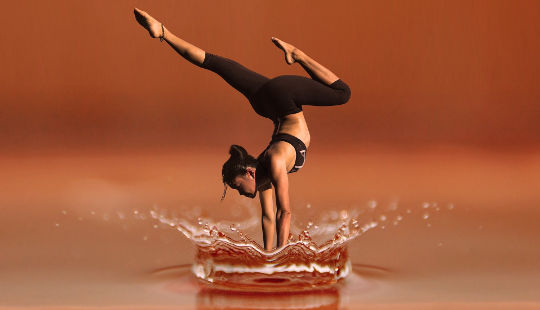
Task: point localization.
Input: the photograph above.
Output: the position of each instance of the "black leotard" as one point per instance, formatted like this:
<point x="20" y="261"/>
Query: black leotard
<point x="279" y="96"/>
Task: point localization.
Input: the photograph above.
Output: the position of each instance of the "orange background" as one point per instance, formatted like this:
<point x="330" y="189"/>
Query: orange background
<point x="79" y="75"/>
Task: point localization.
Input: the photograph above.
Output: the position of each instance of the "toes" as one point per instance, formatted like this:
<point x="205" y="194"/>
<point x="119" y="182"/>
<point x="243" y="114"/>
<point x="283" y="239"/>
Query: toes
<point x="277" y="43"/>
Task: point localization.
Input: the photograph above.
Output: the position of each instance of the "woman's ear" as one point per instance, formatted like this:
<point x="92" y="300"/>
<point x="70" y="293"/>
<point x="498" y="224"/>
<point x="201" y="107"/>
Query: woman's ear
<point x="251" y="171"/>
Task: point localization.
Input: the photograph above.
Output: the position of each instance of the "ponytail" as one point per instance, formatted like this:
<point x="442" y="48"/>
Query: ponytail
<point x="236" y="165"/>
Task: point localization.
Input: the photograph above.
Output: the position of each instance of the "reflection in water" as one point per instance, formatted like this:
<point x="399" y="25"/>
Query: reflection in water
<point x="216" y="299"/>
<point x="180" y="279"/>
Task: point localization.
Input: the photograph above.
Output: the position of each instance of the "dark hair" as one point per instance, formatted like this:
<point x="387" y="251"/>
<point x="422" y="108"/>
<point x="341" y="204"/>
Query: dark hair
<point x="236" y="165"/>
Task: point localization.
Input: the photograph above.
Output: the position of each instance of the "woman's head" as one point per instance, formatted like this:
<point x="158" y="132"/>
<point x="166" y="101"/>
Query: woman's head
<point x="239" y="172"/>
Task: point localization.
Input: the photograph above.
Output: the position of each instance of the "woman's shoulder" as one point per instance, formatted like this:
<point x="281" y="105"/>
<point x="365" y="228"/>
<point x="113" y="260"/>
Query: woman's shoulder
<point x="262" y="172"/>
<point x="263" y="157"/>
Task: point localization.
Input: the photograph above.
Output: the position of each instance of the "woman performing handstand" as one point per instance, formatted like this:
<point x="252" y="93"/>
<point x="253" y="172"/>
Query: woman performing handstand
<point x="280" y="99"/>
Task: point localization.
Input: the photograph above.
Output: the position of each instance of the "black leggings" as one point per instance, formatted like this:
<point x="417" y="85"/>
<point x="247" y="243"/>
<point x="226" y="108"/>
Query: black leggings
<point x="281" y="95"/>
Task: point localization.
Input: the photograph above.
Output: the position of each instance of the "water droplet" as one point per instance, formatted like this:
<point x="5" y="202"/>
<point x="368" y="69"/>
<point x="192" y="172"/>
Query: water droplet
<point x="145" y="238"/>
<point x="343" y="214"/>
<point x="425" y="216"/>
<point x="425" y="205"/>
<point x="308" y="206"/>
<point x="428" y="224"/>
<point x="382" y="217"/>
<point x="409" y="211"/>
<point x="93" y="212"/>
<point x="304" y="237"/>
<point x="213" y="232"/>
<point x="372" y="204"/>
<point x="64" y="212"/>
<point x="309" y="225"/>
<point x="155" y="226"/>
<point x="450" y="206"/>
<point x="392" y="206"/>
<point x="399" y="218"/>
<point x="57" y="224"/>
<point x="439" y="244"/>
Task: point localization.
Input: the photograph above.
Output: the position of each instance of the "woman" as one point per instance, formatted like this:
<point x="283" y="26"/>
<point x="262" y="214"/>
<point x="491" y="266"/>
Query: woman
<point x="279" y="99"/>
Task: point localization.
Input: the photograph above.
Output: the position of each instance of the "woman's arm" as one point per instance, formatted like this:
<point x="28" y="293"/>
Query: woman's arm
<point x="267" y="218"/>
<point x="280" y="181"/>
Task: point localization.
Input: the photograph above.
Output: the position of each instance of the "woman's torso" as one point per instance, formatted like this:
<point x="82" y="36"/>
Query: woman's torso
<point x="292" y="124"/>
<point x="295" y="125"/>
<point x="275" y="100"/>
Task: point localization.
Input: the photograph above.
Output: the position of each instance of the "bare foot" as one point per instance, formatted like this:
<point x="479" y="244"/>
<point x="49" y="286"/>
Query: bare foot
<point x="291" y="52"/>
<point x="148" y="22"/>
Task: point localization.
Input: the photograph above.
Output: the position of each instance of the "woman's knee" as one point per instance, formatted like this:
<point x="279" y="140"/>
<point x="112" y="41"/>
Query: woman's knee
<point x="346" y="93"/>
<point x="343" y="90"/>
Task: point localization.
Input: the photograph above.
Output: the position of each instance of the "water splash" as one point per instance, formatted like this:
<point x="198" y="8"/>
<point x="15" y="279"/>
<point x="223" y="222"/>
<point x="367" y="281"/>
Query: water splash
<point x="315" y="256"/>
<point x="228" y="257"/>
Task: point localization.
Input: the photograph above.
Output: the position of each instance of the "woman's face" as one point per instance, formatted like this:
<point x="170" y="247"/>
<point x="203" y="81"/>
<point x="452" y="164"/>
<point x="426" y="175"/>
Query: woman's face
<point x="245" y="184"/>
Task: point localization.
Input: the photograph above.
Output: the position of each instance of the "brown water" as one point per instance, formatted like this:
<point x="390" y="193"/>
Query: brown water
<point x="443" y="228"/>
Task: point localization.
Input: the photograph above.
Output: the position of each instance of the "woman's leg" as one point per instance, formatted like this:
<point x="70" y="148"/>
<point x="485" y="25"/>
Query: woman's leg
<point x="325" y="88"/>
<point x="242" y="79"/>
<point x="317" y="71"/>
<point x="305" y="91"/>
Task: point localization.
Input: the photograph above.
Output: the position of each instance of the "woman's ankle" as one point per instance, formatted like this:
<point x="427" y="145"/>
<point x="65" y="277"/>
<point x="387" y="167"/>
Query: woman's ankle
<point x="298" y="55"/>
